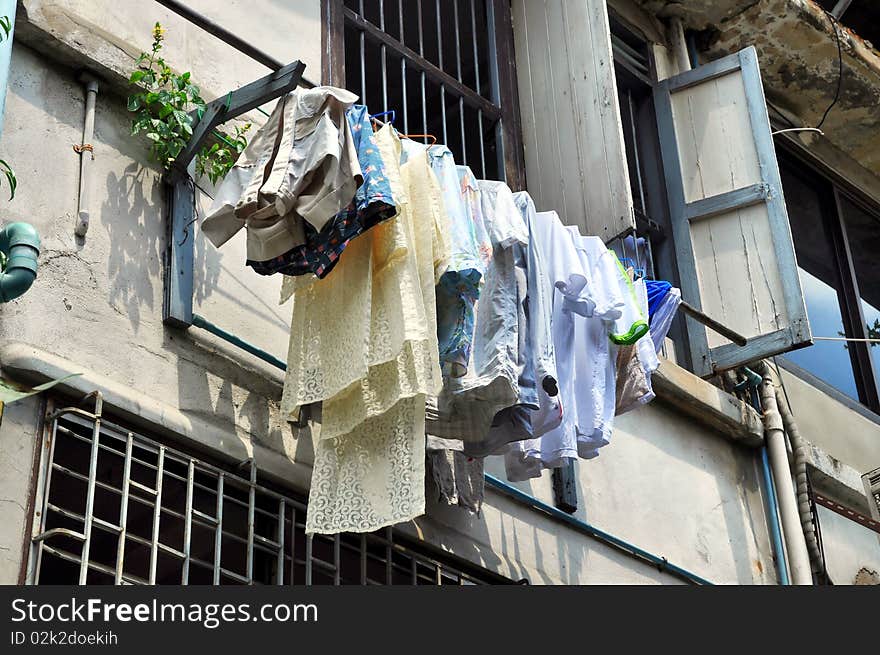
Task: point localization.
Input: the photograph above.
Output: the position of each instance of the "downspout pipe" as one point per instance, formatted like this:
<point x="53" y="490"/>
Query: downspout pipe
<point x="799" y="450"/>
<point x="775" y="528"/>
<point x="774" y="430"/>
<point x="86" y="157"/>
<point x="20" y="244"/>
<point x="751" y="384"/>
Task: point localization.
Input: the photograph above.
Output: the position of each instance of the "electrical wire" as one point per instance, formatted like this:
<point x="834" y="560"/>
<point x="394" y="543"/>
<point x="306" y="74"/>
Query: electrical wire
<point x="781" y="115"/>
<point x="847" y="339"/>
<point x="835" y="25"/>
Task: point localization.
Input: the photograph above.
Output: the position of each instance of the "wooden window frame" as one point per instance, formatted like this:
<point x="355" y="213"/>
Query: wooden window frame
<point x="505" y="107"/>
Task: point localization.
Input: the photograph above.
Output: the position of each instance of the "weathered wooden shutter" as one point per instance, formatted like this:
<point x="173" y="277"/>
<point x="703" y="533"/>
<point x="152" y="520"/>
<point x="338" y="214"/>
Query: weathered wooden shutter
<point x="572" y="133"/>
<point x="732" y="237"/>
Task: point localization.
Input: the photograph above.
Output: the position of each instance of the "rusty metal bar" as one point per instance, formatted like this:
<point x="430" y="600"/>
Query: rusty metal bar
<point x="712" y="324"/>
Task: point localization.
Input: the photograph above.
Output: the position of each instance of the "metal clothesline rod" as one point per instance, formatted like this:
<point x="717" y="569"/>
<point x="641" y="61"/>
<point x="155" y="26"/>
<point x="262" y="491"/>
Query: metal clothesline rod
<point x="712" y="324"/>
<point x="205" y="324"/>
<point x="229" y="38"/>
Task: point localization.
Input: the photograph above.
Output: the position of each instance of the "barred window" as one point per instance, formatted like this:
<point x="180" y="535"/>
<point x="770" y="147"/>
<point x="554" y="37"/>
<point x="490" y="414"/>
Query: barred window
<point x="444" y="67"/>
<point x="116" y="507"/>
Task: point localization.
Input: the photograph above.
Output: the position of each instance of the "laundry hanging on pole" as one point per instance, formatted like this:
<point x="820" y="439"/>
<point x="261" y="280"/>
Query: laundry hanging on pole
<point x="434" y="315"/>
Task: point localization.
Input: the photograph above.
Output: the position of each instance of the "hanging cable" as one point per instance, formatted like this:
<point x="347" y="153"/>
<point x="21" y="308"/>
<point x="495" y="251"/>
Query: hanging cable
<point x="834" y="24"/>
<point x="847" y="339"/>
<point x="799" y="129"/>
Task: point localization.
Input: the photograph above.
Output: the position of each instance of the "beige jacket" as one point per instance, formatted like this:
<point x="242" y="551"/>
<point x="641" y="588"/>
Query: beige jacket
<point x="301" y="165"/>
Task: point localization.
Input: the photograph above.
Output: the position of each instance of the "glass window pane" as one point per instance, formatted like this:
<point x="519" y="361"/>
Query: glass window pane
<point x="863" y="233"/>
<point x="828" y="360"/>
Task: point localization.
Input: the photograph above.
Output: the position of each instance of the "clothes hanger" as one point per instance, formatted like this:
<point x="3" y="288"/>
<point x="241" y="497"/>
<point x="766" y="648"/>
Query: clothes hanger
<point x="629" y="263"/>
<point x="421" y="136"/>
<point x="375" y="117"/>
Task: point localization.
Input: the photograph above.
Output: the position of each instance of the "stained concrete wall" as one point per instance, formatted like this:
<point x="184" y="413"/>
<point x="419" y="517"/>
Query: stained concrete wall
<point x="833" y="426"/>
<point x="667" y="484"/>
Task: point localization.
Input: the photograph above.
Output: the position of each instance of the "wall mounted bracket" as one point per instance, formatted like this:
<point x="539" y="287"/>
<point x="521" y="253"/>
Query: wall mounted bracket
<point x="177" y="310"/>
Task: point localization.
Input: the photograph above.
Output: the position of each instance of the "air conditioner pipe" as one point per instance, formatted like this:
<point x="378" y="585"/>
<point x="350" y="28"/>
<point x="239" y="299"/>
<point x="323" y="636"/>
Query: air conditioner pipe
<point x="799" y="450"/>
<point x="21" y="245"/>
<point x="774" y="432"/>
<point x="86" y="156"/>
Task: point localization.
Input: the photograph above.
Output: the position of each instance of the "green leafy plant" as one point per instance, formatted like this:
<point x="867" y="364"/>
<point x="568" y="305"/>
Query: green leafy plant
<point x="164" y="114"/>
<point x="5" y="31"/>
<point x="216" y="160"/>
<point x="5" y="28"/>
<point x="10" y="177"/>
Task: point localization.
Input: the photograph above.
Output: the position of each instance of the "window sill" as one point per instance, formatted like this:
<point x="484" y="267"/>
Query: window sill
<point x="711" y="406"/>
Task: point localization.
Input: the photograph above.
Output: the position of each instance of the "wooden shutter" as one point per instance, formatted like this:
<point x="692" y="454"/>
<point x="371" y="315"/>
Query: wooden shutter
<point x="733" y="242"/>
<point x="572" y="132"/>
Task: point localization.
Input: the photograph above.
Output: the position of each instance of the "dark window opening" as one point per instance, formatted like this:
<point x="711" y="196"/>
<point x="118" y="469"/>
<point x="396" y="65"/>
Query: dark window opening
<point x="443" y="68"/>
<point x="657" y="258"/>
<point x="139" y="512"/>
<point x="834" y="236"/>
<point x="862" y="16"/>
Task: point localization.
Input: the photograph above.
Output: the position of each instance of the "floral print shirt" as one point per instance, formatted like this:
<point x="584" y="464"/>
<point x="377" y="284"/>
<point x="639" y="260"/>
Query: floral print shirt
<point x="372" y="204"/>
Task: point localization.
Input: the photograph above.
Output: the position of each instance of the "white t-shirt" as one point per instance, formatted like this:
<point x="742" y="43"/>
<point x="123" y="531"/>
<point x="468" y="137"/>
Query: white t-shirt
<point x="566" y="282"/>
<point x="593" y="352"/>
<point x="592" y="304"/>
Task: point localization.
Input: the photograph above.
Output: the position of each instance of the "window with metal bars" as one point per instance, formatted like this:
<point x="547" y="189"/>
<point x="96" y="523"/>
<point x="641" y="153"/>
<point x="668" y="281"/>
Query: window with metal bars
<point x="116" y="507"/>
<point x="444" y="67"/>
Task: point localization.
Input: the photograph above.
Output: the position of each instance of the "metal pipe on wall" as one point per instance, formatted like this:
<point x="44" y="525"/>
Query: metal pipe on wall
<point x="796" y="545"/>
<point x="86" y="157"/>
<point x="20" y="244"/>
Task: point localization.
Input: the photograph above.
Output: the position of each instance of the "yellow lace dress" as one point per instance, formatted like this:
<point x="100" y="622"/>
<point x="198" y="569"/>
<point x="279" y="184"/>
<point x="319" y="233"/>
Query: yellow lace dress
<point x="364" y="343"/>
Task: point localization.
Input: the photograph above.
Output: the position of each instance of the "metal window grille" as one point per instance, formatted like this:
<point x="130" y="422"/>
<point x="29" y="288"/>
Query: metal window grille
<point x="120" y="508"/>
<point x="436" y="65"/>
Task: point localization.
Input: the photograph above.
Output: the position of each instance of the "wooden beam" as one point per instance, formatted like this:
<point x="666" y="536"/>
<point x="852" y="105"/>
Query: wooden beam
<point x="236" y="103"/>
<point x="508" y="96"/>
<point x="177" y="307"/>
<point x="565" y="488"/>
<point x="333" y="43"/>
<point x="725" y="202"/>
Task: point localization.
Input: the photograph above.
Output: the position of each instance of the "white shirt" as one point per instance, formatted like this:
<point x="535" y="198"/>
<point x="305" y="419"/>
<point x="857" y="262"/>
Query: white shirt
<point x="593" y="303"/>
<point x="467" y="406"/>
<point x="554" y="424"/>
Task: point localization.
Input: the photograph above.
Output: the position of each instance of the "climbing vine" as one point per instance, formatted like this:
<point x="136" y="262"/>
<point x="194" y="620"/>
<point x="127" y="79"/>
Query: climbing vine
<point x="164" y="109"/>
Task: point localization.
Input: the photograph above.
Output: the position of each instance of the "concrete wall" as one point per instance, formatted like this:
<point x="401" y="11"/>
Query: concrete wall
<point x="667" y="484"/>
<point x="114" y="32"/>
<point x="827" y="423"/>
<point x="852" y="552"/>
<point x="18" y="438"/>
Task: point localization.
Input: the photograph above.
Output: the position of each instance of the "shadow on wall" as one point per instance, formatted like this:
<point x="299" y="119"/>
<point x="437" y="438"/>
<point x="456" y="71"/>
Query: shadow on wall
<point x="131" y="200"/>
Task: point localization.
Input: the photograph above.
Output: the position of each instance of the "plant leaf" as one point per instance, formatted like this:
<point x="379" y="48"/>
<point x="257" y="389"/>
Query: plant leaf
<point x="11" y="392"/>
